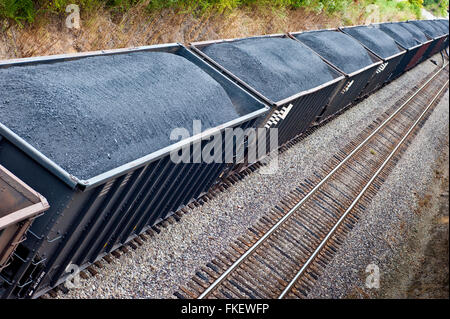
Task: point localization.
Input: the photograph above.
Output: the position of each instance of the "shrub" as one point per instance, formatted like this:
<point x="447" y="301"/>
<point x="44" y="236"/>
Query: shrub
<point x="437" y="7"/>
<point x="18" y="10"/>
<point x="26" y="10"/>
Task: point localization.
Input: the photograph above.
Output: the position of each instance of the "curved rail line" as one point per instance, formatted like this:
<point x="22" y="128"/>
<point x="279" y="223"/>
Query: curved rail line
<point x="285" y="253"/>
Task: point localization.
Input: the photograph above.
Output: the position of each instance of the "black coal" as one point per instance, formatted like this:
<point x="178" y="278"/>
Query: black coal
<point x="276" y="67"/>
<point x="375" y="39"/>
<point x="399" y="34"/>
<point x="415" y="31"/>
<point x="440" y="26"/>
<point x="340" y="49"/>
<point x="94" y="114"/>
<point x="427" y="28"/>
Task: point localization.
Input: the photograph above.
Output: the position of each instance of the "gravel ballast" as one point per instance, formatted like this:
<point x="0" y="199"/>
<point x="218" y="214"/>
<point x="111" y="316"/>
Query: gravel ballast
<point x="375" y="39"/>
<point x="169" y="259"/>
<point x="399" y="34"/>
<point x="276" y="67"/>
<point x="340" y="49"/>
<point x="94" y="114"/>
<point x="389" y="219"/>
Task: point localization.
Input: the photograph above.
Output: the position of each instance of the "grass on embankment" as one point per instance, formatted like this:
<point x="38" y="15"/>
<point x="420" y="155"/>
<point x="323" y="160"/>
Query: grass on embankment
<point x="37" y="27"/>
<point x="28" y="10"/>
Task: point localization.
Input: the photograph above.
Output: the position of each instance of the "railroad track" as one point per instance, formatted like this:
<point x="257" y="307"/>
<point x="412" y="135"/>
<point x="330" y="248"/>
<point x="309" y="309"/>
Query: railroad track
<point x="283" y="254"/>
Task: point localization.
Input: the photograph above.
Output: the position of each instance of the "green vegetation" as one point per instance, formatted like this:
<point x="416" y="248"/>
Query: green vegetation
<point x="386" y="6"/>
<point x="437" y="7"/>
<point x="18" y="10"/>
<point x="22" y="11"/>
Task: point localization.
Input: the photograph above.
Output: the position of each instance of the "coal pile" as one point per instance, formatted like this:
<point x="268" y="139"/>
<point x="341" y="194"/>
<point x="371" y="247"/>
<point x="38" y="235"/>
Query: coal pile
<point x="437" y="29"/>
<point x="427" y="28"/>
<point x="94" y="114"/>
<point x="399" y="34"/>
<point x="375" y="39"/>
<point x="340" y="49"/>
<point x="415" y="31"/>
<point x="445" y="24"/>
<point x="276" y="67"/>
<point x="440" y="26"/>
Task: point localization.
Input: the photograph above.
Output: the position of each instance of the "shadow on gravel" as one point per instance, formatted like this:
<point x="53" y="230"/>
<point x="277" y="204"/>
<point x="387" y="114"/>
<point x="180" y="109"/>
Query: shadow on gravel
<point x="433" y="279"/>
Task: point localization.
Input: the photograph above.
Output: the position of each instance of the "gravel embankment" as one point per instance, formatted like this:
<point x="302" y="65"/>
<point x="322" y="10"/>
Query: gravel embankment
<point x="156" y="269"/>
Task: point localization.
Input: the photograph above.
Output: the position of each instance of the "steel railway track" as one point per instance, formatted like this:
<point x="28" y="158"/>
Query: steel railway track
<point x="288" y="249"/>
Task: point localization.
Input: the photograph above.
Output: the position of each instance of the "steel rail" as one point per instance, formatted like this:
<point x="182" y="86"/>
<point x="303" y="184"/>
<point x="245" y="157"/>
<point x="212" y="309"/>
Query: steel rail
<point x="307" y="196"/>
<point x="349" y="209"/>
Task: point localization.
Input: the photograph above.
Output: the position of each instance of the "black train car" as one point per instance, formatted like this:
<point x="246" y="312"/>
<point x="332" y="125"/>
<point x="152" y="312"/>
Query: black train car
<point x="349" y="57"/>
<point x="415" y="49"/>
<point x="129" y="179"/>
<point x="383" y="46"/>
<point x="432" y="32"/>
<point x="443" y="26"/>
<point x="283" y="73"/>
<point x="419" y="35"/>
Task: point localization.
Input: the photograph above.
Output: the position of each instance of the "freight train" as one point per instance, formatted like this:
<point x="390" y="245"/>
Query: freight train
<point x="109" y="138"/>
